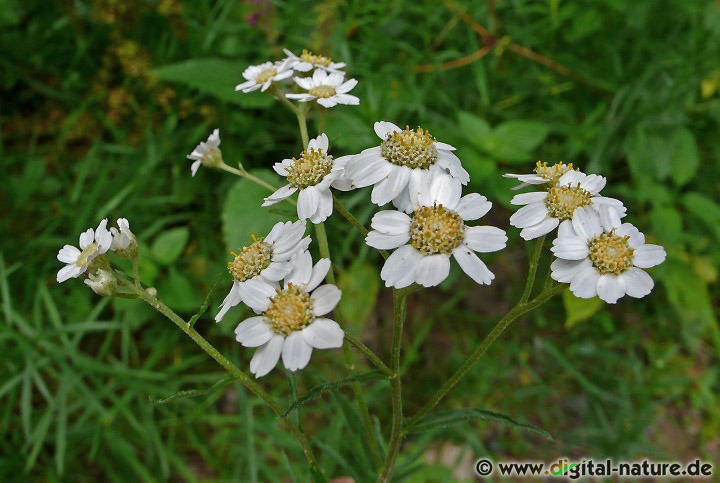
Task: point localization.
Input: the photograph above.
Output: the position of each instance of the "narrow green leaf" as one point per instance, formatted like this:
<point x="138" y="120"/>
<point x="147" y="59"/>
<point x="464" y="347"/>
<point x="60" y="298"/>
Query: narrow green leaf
<point x="206" y="304"/>
<point x="193" y="392"/>
<point x="318" y="391"/>
<point x="443" y="419"/>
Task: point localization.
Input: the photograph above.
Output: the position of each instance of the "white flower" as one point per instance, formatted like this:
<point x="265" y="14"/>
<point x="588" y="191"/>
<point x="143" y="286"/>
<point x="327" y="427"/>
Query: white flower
<point x="291" y="323"/>
<point x="543" y="174"/>
<point x="122" y="238"/>
<point x="599" y="255"/>
<point x="545" y="210"/>
<point x="269" y="259"/>
<point x="262" y="76"/>
<point x="329" y="89"/>
<point x="434" y="232"/>
<point x="92" y="243"/>
<point x="102" y="282"/>
<point x="308" y="61"/>
<point x="313" y="173"/>
<point x="207" y="152"/>
<point x="404" y="161"/>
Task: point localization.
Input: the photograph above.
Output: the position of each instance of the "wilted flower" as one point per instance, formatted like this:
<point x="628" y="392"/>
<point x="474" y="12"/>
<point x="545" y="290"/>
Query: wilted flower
<point x="312" y="174"/>
<point x="92" y="244"/>
<point x="207" y="153"/>
<point x="328" y="89"/>
<point x="404" y="161"/>
<point x="270" y="259"/>
<point x="291" y="323"/>
<point x="599" y="255"/>
<point x="436" y="230"/>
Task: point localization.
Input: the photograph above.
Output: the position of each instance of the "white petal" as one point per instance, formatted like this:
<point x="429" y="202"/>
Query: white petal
<point x="367" y="168"/>
<point x="194" y="167"/>
<point x="452" y="165"/>
<point x="231" y="300"/>
<point x="68" y="254"/>
<point x="325" y="207"/>
<point x="267" y="356"/>
<point x="308" y="201"/>
<point x="564" y="271"/>
<point x="609" y="217"/>
<point x="399" y="269"/>
<point x="485" y="238"/>
<point x="276" y="231"/>
<point x="610" y="288"/>
<point x="347" y="99"/>
<point x="594" y="183"/>
<point x="324" y="334"/>
<point x="432" y="269"/>
<point x="281" y="167"/>
<point x="385" y="128"/>
<point x="347" y="86"/>
<point x="542" y="228"/>
<point x="647" y="256"/>
<point x="305" y="82"/>
<point x="296" y="352"/>
<point x="636" y="236"/>
<point x="87" y="238"/>
<point x="276" y="271"/>
<point x="637" y="282"/>
<point x="381" y="241"/>
<point x="288" y="240"/>
<point x="327" y="101"/>
<point x="586" y="223"/>
<point x="302" y="271"/>
<point x="69" y="271"/>
<point x="419" y="187"/>
<point x="320" y="142"/>
<point x="566" y="229"/>
<point x="446" y="190"/>
<point x="570" y="247"/>
<point x="572" y="177"/>
<point x="319" y="272"/>
<point x="279" y="195"/>
<point x="325" y="298"/>
<point x="256" y="293"/>
<point x="253" y="332"/>
<point x="584" y="285"/>
<point x="473" y="206"/>
<point x="387" y="189"/>
<point x="528" y="198"/>
<point x="473" y="266"/>
<point x="444" y="146"/>
<point x="391" y="222"/>
<point x="529" y="215"/>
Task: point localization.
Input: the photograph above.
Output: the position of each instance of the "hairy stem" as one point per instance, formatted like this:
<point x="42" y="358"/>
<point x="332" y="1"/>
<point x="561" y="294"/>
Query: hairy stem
<point x="534" y="258"/>
<point x="250" y="177"/>
<point x="520" y="309"/>
<point x="372" y="357"/>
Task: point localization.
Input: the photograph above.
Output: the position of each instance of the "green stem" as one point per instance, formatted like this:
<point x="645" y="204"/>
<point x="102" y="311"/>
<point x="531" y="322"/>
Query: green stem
<point x="520" y="309"/>
<point x="321" y="122"/>
<point x="250" y="177"/>
<point x="136" y="272"/>
<point x="287" y="102"/>
<point x="293" y="397"/>
<point x="372" y="357"/>
<point x="534" y="257"/>
<point x="345" y="213"/>
<point x="400" y="312"/>
<point x="235" y="371"/>
<point x="302" y="123"/>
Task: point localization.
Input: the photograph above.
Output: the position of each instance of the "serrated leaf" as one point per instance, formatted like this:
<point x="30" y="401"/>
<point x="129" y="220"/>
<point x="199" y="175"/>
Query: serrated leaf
<point x="243" y="214"/>
<point x="216" y="77"/>
<point x="579" y="310"/>
<point x="684" y="156"/>
<point x="318" y="391"/>
<point x="206" y="304"/>
<point x="443" y="419"/>
<point x="193" y="392"/>
<point x="169" y="245"/>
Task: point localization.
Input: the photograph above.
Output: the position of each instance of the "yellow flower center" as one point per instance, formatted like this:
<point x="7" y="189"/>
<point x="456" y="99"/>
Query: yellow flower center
<point x="611" y="253"/>
<point x="554" y="172"/>
<point x="266" y="75"/>
<point x="435" y="229"/>
<point x="290" y="310"/>
<point x="252" y="260"/>
<point x="87" y="254"/>
<point x="312" y="166"/>
<point x="411" y="148"/>
<point x="562" y="201"/>
<point x="322" y="92"/>
<point x="314" y="59"/>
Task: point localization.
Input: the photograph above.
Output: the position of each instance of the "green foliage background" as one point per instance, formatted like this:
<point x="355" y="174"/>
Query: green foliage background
<point x="102" y="100"/>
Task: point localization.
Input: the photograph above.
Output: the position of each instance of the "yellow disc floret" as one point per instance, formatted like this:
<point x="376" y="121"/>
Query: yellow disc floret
<point x="562" y="201"/>
<point x="315" y="59"/>
<point x="322" y="91"/>
<point x="611" y="253"/>
<point x="411" y="148"/>
<point x="266" y="75"/>
<point x="252" y="260"/>
<point x="435" y="229"/>
<point x="308" y="170"/>
<point x="552" y="173"/>
<point x="290" y="310"/>
<point x="87" y="254"/>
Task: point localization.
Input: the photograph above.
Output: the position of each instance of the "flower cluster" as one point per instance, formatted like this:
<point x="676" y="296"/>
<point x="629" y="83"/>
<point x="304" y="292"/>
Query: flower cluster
<point x="597" y="254"/>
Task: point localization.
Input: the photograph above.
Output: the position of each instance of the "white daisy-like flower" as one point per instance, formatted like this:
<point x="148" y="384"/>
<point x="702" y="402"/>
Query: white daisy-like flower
<point x="308" y="61"/>
<point x="262" y="76"/>
<point x="269" y="259"/>
<point x="404" y="161"/>
<point x="291" y="321"/>
<point x="123" y="237"/>
<point x="599" y="255"/>
<point x="328" y="89"/>
<point x="545" y="210"/>
<point x="435" y="231"/>
<point x="312" y="174"/>
<point x="207" y="153"/>
<point x="542" y="174"/>
<point x="92" y="244"/>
